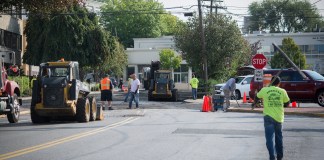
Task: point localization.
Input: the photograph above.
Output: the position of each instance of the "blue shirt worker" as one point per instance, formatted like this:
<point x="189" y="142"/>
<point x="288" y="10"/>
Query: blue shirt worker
<point x="274" y="101"/>
<point x="194" y="85"/>
<point x="228" y="90"/>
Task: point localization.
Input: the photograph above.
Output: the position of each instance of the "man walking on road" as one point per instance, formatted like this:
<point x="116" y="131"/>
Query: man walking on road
<point x="134" y="91"/>
<point x="106" y="88"/>
<point x="274" y="101"/>
<point x="228" y="90"/>
<point x="129" y="83"/>
<point x="194" y="85"/>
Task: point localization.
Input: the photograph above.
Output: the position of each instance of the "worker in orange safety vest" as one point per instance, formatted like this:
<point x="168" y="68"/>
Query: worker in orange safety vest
<point x="106" y="88"/>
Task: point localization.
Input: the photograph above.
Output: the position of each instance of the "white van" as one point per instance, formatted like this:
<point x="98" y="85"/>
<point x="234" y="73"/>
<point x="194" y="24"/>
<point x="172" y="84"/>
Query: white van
<point x="242" y="85"/>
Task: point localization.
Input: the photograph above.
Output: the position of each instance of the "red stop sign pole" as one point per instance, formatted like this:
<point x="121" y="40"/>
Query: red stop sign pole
<point x="259" y="61"/>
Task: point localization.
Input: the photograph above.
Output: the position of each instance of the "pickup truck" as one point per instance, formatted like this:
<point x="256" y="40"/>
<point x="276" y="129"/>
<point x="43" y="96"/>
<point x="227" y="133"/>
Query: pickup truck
<point x="298" y="88"/>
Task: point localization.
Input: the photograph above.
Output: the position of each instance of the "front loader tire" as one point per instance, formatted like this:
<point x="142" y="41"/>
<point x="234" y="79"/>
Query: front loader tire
<point x="99" y="116"/>
<point x="175" y="95"/>
<point x="83" y="110"/>
<point x="93" y="108"/>
<point x="149" y="96"/>
<point x="35" y="118"/>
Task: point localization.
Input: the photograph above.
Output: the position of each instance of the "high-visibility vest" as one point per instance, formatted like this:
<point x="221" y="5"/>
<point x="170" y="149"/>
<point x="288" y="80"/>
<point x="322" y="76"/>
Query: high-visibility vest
<point x="32" y="82"/>
<point x="105" y="84"/>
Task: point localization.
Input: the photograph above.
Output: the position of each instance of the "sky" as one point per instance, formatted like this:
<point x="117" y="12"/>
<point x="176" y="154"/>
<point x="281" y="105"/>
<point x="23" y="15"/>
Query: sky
<point x="233" y="6"/>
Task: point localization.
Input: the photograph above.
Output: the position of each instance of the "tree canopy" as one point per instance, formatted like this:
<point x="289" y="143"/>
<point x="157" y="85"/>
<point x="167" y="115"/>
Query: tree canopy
<point x="223" y="41"/>
<point x="169" y="59"/>
<point x="40" y="6"/>
<point x="128" y="19"/>
<point x="170" y="24"/>
<point x="76" y="36"/>
<point x="284" y="16"/>
<point x="293" y="52"/>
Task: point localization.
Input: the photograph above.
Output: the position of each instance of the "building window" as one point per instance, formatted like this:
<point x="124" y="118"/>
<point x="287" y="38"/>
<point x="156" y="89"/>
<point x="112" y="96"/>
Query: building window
<point x="181" y="74"/>
<point x="13" y="11"/>
<point x="10" y="40"/>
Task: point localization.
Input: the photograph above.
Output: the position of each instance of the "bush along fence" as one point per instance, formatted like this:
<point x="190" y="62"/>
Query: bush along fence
<point x="24" y="84"/>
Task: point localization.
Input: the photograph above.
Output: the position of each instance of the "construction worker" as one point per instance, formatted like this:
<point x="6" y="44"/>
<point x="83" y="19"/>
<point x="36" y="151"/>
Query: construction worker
<point x="274" y="101"/>
<point x="228" y="90"/>
<point x="194" y="85"/>
<point x="129" y="83"/>
<point x="134" y="91"/>
<point x="32" y="81"/>
<point x="106" y="88"/>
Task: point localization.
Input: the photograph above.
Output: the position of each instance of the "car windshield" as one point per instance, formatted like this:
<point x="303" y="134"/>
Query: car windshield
<point x="315" y="75"/>
<point x="239" y="79"/>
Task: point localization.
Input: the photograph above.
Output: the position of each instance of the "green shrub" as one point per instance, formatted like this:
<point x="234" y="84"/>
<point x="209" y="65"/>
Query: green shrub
<point x="24" y="84"/>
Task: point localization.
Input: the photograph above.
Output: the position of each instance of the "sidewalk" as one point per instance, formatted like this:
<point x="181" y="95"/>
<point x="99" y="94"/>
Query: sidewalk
<point x="246" y="108"/>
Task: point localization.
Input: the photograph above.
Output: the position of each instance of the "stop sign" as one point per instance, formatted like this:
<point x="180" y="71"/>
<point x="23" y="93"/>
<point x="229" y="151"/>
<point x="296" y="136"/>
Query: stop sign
<point x="259" y="61"/>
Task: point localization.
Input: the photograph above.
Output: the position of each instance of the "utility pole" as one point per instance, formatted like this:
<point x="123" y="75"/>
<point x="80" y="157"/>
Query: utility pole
<point x="203" y="44"/>
<point x="211" y="6"/>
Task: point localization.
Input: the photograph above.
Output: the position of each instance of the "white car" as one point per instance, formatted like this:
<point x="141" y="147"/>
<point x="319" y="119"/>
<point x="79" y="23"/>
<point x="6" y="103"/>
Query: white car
<point x="242" y="85"/>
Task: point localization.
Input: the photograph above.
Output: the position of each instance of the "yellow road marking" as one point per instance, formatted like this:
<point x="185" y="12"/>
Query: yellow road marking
<point x="64" y="140"/>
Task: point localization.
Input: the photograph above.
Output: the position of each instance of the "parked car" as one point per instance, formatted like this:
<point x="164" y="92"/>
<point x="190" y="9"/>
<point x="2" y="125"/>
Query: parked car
<point x="242" y="85"/>
<point x="298" y="88"/>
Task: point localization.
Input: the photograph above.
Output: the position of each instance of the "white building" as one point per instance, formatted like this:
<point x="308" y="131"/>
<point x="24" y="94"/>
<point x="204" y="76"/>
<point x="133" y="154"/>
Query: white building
<point x="311" y="44"/>
<point x="11" y="35"/>
<point x="147" y="49"/>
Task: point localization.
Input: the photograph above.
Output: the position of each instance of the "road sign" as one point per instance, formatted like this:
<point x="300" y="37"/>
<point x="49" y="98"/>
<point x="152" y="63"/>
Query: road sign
<point x="259" y="61"/>
<point x="258" y="75"/>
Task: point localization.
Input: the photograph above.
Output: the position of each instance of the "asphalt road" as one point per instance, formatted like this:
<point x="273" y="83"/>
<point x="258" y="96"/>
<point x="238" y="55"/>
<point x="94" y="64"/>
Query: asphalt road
<point x="159" y="130"/>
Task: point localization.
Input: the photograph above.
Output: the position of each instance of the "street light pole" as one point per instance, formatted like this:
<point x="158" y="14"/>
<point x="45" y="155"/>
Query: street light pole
<point x="203" y="43"/>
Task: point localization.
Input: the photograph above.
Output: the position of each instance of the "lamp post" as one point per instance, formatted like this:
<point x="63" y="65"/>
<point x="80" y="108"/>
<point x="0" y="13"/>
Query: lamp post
<point x="203" y="49"/>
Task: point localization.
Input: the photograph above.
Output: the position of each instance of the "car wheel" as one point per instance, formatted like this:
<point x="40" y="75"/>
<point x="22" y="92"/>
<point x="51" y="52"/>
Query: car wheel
<point x="320" y="98"/>
<point x="13" y="116"/>
<point x="237" y="94"/>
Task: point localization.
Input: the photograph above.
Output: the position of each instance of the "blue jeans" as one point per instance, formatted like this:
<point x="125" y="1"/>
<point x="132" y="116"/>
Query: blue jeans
<point x="194" y="93"/>
<point x="273" y="130"/>
<point x="126" y="96"/>
<point x="133" y="96"/>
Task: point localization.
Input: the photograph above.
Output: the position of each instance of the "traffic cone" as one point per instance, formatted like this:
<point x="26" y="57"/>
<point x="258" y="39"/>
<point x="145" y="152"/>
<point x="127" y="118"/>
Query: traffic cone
<point x="294" y="104"/>
<point x="209" y="104"/>
<point x="250" y="100"/>
<point x="205" y="104"/>
<point x="244" y="98"/>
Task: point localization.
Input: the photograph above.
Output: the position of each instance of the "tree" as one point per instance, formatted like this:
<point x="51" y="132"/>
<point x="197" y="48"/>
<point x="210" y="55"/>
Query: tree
<point x="223" y="41"/>
<point x="128" y="19"/>
<point x="75" y="36"/>
<point x="284" y="16"/>
<point x="40" y="6"/>
<point x="170" y="24"/>
<point x="293" y="52"/>
<point x="169" y="60"/>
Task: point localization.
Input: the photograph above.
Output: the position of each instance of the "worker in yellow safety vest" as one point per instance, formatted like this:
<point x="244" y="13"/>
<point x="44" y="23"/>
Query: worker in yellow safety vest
<point x="106" y="88"/>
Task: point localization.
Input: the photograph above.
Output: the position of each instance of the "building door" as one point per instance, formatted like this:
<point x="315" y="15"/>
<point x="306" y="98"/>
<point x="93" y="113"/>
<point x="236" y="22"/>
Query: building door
<point x="130" y="70"/>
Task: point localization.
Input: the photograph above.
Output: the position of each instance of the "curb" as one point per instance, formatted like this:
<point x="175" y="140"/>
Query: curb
<point x="318" y="115"/>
